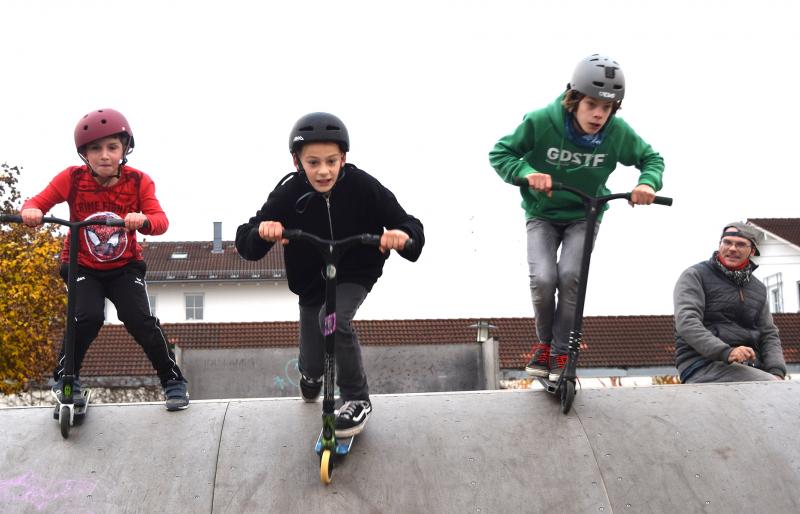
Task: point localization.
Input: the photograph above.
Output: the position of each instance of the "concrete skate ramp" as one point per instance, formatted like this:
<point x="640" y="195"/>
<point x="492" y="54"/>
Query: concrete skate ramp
<point x="710" y="448"/>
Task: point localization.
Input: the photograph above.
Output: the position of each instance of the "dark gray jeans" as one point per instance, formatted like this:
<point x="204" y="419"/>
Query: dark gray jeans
<point x="350" y="375"/>
<point x="550" y="271"/>
<point x="718" y="371"/>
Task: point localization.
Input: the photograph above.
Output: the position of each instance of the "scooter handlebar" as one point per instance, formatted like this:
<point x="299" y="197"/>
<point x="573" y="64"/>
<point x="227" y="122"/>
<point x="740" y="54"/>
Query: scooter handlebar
<point x="16" y="218"/>
<point x="10" y="218"/>
<point x="366" y="239"/>
<point x="559" y="186"/>
<point x="121" y="223"/>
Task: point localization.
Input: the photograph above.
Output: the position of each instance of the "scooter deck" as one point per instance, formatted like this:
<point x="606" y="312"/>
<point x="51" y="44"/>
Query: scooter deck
<point x="79" y="411"/>
<point x="343" y="445"/>
<point x="549" y="385"/>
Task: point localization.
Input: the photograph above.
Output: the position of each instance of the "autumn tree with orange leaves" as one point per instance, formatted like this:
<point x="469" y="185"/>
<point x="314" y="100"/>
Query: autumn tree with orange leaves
<point x="32" y="295"/>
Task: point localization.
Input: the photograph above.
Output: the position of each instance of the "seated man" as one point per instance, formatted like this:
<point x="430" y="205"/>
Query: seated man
<point x="723" y="328"/>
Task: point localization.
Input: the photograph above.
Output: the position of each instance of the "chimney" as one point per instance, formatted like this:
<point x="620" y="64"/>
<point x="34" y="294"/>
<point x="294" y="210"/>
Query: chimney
<point x="217" y="247"/>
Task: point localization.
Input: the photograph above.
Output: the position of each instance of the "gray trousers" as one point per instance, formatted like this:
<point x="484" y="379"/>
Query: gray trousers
<point x="721" y="372"/>
<point x="350" y="375"/>
<point x="550" y="271"/>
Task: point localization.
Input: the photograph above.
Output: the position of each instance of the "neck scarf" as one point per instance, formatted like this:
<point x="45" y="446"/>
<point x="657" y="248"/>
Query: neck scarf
<point x="740" y="277"/>
<point x="590" y="141"/>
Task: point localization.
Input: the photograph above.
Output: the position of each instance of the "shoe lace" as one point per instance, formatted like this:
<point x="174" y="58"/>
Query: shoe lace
<point x="349" y="409"/>
<point x="543" y="355"/>
<point x="561" y="360"/>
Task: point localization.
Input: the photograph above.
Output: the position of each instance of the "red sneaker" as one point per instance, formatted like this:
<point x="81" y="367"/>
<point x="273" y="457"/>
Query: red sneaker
<point x="539" y="365"/>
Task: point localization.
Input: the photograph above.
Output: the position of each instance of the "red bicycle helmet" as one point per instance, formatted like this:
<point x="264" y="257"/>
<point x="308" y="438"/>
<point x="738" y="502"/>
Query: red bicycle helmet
<point x="99" y="124"/>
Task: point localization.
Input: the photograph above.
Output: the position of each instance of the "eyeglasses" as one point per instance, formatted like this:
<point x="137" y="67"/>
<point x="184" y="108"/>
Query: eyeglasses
<point x="739" y="245"/>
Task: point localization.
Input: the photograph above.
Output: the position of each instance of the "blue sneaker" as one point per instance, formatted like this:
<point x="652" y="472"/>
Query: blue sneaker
<point x="177" y="397"/>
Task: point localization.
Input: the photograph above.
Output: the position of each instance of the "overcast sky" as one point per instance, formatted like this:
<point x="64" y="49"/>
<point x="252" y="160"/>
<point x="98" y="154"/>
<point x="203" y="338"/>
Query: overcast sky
<point x="211" y="90"/>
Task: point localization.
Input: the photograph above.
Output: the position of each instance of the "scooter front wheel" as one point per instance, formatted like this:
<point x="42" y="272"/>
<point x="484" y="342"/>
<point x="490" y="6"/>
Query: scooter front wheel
<point x="567" y="395"/>
<point x="326" y="467"/>
<point x="63" y="420"/>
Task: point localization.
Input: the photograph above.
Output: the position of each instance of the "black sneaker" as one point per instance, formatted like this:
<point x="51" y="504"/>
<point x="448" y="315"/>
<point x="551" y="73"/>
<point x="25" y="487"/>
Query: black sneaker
<point x="351" y="417"/>
<point x="77" y="394"/>
<point x="310" y="388"/>
<point x="557" y="365"/>
<point x="177" y="397"/>
<point x="539" y="365"/>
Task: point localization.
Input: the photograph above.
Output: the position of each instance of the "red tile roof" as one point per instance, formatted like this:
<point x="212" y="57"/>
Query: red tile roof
<point x="785" y="228"/>
<point x="609" y="341"/>
<point x="201" y="263"/>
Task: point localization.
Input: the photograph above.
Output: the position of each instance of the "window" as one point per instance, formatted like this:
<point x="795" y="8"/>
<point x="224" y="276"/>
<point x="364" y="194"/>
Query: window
<point x="151" y="299"/>
<point x="774" y="284"/>
<point x="194" y="306"/>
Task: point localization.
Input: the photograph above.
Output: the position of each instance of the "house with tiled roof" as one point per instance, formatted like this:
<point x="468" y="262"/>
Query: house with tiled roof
<point x="208" y="281"/>
<point x="779" y="262"/>
<point x="399" y="353"/>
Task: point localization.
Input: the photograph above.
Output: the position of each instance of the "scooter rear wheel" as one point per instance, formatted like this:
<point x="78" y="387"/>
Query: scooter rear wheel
<point x="63" y="421"/>
<point x="567" y="395"/>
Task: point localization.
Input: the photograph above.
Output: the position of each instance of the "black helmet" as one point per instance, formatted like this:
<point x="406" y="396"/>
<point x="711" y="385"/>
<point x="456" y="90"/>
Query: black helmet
<point x="318" y="127"/>
<point x="599" y="76"/>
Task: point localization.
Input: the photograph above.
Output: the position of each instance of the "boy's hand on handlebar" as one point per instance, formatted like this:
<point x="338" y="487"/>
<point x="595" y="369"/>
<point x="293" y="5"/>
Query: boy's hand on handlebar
<point x="31" y="217"/>
<point x="642" y="195"/>
<point x="271" y="231"/>
<point x="541" y="182"/>
<point x="393" y="240"/>
<point x="135" y="220"/>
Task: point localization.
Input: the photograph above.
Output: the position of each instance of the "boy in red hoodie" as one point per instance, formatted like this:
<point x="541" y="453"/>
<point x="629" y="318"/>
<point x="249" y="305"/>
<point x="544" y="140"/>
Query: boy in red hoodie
<point x="110" y="263"/>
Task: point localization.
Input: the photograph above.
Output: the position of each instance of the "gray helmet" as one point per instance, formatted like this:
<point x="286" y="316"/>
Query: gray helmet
<point x="318" y="127"/>
<point x="600" y="77"/>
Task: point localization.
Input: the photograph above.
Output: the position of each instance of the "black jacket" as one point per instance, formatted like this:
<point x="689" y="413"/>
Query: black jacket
<point x="357" y="204"/>
<point x="713" y="315"/>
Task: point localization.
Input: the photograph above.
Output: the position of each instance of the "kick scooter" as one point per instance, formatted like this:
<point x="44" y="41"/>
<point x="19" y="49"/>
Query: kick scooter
<point x="66" y="412"/>
<point x="328" y="447"/>
<point x="565" y="385"/>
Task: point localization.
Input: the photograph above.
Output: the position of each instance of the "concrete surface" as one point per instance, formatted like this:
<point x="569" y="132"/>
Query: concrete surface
<point x="705" y="448"/>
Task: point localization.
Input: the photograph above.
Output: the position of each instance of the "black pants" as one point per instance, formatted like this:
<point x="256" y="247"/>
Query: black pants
<point x="350" y="375"/>
<point x="126" y="289"/>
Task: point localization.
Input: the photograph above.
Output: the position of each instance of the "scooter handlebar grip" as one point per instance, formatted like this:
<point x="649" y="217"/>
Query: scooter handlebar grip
<point x="663" y="200"/>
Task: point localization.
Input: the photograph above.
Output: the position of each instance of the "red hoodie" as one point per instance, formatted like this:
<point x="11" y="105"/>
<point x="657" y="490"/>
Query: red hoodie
<point x="103" y="247"/>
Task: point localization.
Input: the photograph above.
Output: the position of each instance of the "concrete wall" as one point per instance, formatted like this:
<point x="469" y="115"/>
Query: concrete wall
<point x="272" y="372"/>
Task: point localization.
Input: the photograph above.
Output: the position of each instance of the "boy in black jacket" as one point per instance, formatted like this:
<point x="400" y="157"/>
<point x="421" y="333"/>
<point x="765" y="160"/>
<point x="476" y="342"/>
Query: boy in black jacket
<point x="332" y="200"/>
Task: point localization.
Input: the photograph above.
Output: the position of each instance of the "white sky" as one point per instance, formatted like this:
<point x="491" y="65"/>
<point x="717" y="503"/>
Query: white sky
<point x="426" y="88"/>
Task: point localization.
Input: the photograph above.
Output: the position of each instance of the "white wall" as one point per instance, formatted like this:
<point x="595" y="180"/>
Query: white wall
<point x="222" y="301"/>
<point x="778" y="256"/>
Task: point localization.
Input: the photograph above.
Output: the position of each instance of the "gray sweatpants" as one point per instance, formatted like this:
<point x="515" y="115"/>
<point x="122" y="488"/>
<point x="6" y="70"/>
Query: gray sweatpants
<point x="550" y="272"/>
<point x="720" y="372"/>
<point x="350" y="375"/>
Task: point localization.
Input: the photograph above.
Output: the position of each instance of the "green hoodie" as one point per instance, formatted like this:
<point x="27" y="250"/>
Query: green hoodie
<point x="540" y="145"/>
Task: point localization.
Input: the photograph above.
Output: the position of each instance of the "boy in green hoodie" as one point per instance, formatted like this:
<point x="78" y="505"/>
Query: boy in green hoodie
<point x="578" y="141"/>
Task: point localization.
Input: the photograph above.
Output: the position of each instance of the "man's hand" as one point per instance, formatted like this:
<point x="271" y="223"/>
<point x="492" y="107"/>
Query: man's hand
<point x="741" y="354"/>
